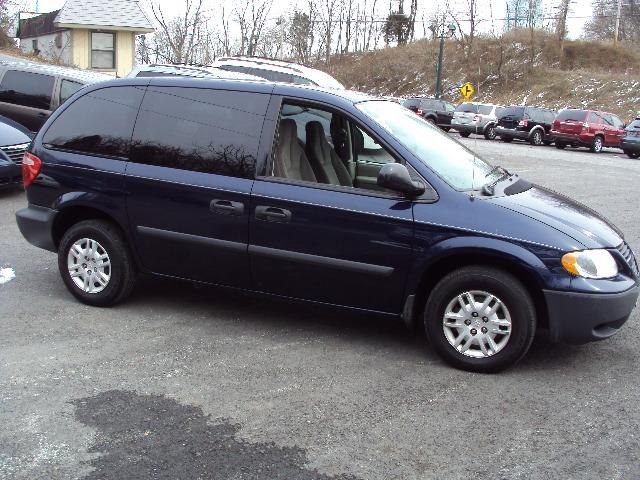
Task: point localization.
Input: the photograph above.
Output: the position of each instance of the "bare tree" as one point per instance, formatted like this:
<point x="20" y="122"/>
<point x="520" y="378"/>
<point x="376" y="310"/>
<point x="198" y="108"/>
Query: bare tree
<point x="561" y="22"/>
<point x="327" y="17"/>
<point x="251" y="19"/>
<point x="176" y="40"/>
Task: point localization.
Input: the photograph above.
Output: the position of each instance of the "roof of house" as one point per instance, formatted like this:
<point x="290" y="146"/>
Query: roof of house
<point x="38" y="25"/>
<point x="116" y="14"/>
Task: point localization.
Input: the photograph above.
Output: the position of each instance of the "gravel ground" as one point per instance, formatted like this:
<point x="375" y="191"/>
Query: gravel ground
<point x="186" y="382"/>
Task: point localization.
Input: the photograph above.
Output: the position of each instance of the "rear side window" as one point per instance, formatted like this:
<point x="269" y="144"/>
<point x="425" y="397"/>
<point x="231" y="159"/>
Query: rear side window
<point x="68" y="88"/>
<point x="98" y="123"/>
<point x="571" y="114"/>
<point x="484" y="109"/>
<point x="202" y="130"/>
<point x="27" y="88"/>
<point x="411" y="103"/>
<point x="595" y="118"/>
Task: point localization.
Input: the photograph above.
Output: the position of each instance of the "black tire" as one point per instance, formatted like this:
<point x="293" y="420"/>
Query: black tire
<point x="633" y="155"/>
<point x="502" y="285"/>
<point x="464" y="134"/>
<point x="121" y="270"/>
<point x="561" y="145"/>
<point x="431" y="120"/>
<point x="490" y="132"/>
<point x="446" y="129"/>
<point x="506" y="139"/>
<point x="547" y="142"/>
<point x="597" y="144"/>
<point x="536" y="138"/>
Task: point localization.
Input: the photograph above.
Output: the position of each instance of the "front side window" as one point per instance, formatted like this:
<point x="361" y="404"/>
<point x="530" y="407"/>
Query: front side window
<point x="98" y="123"/>
<point x="201" y="130"/>
<point x="450" y="160"/>
<point x="617" y="122"/>
<point x="103" y="51"/>
<point x="323" y="147"/>
<point x="68" y="88"/>
<point x="27" y="88"/>
<point x="449" y="107"/>
<point x="485" y="109"/>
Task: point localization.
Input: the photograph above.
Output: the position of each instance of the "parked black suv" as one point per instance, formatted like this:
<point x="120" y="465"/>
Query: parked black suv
<point x="433" y="110"/>
<point x="30" y="91"/>
<point x="532" y="124"/>
<point x="321" y="195"/>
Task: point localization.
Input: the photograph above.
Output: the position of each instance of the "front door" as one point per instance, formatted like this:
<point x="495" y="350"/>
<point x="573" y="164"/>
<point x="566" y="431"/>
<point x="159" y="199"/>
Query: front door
<point x="338" y="242"/>
<point x="189" y="181"/>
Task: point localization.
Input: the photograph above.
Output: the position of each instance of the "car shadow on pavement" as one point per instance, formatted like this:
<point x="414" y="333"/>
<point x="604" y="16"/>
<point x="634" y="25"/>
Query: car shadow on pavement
<point x="152" y="436"/>
<point x="259" y="313"/>
<point x="10" y="192"/>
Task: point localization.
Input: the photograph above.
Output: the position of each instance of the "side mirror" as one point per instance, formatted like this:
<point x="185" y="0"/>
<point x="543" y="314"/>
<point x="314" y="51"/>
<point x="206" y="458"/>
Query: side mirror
<point x="395" y="176"/>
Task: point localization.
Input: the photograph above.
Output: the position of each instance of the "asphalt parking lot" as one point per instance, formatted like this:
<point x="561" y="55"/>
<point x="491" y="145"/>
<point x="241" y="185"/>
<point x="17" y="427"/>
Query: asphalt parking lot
<point x="191" y="382"/>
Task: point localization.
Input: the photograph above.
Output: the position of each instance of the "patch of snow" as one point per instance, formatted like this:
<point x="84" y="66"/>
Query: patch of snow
<point x="6" y="274"/>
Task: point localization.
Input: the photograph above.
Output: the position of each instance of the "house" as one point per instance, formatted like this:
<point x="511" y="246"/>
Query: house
<point x="92" y="34"/>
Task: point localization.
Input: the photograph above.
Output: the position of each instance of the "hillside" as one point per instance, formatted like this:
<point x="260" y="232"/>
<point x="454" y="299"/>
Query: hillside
<point x="587" y="74"/>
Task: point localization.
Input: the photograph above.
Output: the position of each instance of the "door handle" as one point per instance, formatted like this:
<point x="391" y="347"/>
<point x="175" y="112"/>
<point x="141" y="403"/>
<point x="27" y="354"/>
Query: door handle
<point x="42" y="114"/>
<point x="226" y="207"/>
<point x="273" y="214"/>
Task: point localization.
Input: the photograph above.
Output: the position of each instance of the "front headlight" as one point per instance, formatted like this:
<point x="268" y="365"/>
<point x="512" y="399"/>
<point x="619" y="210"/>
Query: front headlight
<point x="590" y="264"/>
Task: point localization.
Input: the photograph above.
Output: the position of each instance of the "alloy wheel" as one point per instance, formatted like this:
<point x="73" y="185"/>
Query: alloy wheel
<point x="477" y="324"/>
<point x="89" y="265"/>
<point x="597" y="144"/>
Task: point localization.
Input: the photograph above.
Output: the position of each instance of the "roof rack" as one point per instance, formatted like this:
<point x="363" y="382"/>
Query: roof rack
<point x="267" y="61"/>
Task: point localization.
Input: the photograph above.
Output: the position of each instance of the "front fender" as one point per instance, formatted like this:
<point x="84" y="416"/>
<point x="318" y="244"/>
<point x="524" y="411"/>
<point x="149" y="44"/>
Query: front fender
<point x="478" y="249"/>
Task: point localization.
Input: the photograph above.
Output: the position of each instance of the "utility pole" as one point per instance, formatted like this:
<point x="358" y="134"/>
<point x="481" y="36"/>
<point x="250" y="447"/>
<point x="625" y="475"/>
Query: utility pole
<point x="616" y="32"/>
<point x="451" y="31"/>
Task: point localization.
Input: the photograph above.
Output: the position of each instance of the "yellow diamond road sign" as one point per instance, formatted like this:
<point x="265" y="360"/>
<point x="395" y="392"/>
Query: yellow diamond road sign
<point x="467" y="90"/>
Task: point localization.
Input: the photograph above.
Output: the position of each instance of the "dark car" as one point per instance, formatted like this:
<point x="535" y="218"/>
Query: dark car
<point x="630" y="143"/>
<point x="587" y="128"/>
<point x="433" y="110"/>
<point x="531" y="124"/>
<point x="14" y="140"/>
<point x="29" y="91"/>
<point x="331" y="197"/>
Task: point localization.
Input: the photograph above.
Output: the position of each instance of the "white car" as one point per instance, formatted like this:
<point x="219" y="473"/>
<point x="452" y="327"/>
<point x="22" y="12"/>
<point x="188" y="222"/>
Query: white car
<point x="278" y="71"/>
<point x="169" y="70"/>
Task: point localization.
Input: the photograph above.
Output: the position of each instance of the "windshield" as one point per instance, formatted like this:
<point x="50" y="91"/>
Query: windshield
<point x="512" y="112"/>
<point x="570" y="114"/>
<point x="452" y="161"/>
<point x="467" y="108"/>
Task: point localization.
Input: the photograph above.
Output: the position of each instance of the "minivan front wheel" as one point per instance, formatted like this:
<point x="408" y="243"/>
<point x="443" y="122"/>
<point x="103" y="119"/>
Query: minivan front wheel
<point x="480" y="319"/>
<point x="95" y="263"/>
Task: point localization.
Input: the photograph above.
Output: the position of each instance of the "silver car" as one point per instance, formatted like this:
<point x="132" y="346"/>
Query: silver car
<point x="476" y="118"/>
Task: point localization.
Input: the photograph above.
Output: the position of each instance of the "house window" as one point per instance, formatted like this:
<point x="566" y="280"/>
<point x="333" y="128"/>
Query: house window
<point x="103" y="51"/>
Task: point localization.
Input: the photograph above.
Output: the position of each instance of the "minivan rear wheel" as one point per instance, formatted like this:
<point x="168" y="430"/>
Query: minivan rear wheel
<point x="464" y="134"/>
<point x="95" y="264"/>
<point x="561" y="145"/>
<point x="480" y="319"/>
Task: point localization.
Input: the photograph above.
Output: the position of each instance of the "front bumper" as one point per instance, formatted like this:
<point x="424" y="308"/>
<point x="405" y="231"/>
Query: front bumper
<point x="36" y="225"/>
<point x="586" y="317"/>
<point x="512" y="133"/>
<point x="629" y="145"/>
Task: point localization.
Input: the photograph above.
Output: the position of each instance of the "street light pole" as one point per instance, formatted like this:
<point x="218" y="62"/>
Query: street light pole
<point x="451" y="31"/>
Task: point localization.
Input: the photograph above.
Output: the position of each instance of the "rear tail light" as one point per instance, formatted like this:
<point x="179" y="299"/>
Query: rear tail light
<point x="419" y="111"/>
<point x="476" y="118"/>
<point x="523" y="123"/>
<point x="31" y="166"/>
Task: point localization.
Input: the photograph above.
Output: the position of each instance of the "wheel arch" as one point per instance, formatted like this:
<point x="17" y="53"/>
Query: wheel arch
<point x="435" y="270"/>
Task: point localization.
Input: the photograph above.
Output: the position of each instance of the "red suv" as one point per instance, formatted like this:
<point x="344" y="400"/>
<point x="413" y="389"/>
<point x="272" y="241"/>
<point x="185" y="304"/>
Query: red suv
<point x="587" y="128"/>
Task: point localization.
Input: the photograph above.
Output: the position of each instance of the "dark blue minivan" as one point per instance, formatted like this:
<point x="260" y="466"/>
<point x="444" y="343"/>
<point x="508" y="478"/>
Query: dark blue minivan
<point x="326" y="196"/>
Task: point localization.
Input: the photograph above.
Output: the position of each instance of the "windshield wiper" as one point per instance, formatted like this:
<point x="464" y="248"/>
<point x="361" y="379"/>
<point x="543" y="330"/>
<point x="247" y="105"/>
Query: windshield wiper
<point x="488" y="188"/>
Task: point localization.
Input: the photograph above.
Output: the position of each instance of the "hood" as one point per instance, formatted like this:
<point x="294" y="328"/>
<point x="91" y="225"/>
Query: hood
<point x="12" y="133"/>
<point x="565" y="215"/>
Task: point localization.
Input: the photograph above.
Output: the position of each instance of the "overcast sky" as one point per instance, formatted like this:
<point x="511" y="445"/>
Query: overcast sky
<point x="580" y="11"/>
